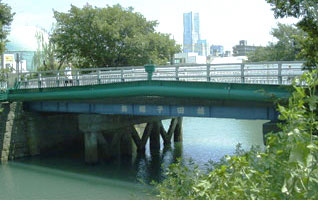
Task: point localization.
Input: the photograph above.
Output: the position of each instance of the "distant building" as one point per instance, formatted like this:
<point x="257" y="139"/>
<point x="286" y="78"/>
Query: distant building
<point x="201" y="48"/>
<point x="227" y="54"/>
<point x="22" y="41"/>
<point x="189" y="58"/>
<point x="216" y="50"/>
<point x="191" y="31"/>
<point x="243" y="49"/>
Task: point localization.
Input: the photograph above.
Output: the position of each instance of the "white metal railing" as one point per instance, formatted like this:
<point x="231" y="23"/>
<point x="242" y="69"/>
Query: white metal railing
<point x="281" y="73"/>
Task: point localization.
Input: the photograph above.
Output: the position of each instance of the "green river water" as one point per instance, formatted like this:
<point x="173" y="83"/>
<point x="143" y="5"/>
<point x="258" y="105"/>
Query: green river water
<point x="67" y="177"/>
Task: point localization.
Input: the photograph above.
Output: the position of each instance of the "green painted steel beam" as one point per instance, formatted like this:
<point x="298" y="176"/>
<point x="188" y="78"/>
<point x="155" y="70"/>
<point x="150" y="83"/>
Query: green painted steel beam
<point x="178" y="89"/>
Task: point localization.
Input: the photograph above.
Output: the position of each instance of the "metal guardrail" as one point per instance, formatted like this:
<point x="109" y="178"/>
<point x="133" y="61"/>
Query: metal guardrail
<point x="279" y="73"/>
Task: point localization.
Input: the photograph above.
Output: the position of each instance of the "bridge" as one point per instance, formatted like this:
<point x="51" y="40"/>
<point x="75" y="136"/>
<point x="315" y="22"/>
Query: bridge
<point x="241" y="91"/>
<point x="151" y="93"/>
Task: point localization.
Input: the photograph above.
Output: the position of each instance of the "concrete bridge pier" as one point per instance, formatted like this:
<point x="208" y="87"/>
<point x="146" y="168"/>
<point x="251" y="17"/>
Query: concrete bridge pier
<point x="140" y="139"/>
<point x="90" y="142"/>
<point x="113" y="136"/>
<point x="154" y="130"/>
<point x="178" y="133"/>
<point x="175" y="129"/>
<point x="155" y="137"/>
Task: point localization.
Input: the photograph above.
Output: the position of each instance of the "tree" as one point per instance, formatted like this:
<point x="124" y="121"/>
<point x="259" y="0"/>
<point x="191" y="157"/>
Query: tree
<point x="287" y="48"/>
<point x="44" y="58"/>
<point x="307" y="12"/>
<point x="6" y="17"/>
<point x="111" y="36"/>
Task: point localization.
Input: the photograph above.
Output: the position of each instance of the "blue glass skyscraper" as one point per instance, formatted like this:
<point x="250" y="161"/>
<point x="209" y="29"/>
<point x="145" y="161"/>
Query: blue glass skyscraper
<point x="191" y="31"/>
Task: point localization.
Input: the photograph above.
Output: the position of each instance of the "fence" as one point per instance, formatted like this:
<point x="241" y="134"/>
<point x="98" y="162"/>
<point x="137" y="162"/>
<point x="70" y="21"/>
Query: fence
<point x="279" y="73"/>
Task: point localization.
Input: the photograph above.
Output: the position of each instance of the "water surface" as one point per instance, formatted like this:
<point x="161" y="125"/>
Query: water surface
<point x="67" y="177"/>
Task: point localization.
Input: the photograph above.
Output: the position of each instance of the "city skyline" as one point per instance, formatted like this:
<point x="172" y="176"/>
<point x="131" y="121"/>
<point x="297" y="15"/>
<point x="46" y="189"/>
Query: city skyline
<point x="222" y="22"/>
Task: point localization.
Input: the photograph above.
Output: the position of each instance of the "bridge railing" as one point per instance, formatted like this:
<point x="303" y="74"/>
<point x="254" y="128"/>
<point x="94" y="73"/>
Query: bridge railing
<point x="281" y="73"/>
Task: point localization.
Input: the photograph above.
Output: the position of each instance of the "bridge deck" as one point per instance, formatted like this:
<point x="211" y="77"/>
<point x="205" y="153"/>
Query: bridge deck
<point x="199" y="90"/>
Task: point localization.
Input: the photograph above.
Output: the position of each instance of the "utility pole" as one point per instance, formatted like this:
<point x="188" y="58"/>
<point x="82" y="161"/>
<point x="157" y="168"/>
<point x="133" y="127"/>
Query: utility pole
<point x="17" y="65"/>
<point x="2" y="62"/>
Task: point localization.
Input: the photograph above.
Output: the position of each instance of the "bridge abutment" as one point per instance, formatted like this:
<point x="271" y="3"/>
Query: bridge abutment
<point x="25" y="134"/>
<point x="13" y="140"/>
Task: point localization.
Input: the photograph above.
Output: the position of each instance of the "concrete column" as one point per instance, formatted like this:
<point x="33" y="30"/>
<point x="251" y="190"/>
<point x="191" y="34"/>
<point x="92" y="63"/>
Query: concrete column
<point x="269" y="127"/>
<point x="127" y="147"/>
<point x="177" y="151"/>
<point x="91" y="153"/>
<point x="166" y="136"/>
<point x="155" y="137"/>
<point x="154" y="166"/>
<point x="140" y="136"/>
<point x="178" y="133"/>
<point x="103" y="147"/>
<point x="115" y="144"/>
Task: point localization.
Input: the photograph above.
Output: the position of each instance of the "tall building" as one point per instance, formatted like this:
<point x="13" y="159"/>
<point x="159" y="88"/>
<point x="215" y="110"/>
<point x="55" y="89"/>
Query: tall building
<point x="191" y="32"/>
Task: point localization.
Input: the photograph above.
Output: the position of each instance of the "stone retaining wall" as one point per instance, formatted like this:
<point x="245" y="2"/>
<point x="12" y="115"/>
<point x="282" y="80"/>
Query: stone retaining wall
<point x="13" y="139"/>
<point x="28" y="134"/>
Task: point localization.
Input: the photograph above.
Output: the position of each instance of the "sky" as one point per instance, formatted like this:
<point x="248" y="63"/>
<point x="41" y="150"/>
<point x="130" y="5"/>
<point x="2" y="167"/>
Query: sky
<point x="222" y="22"/>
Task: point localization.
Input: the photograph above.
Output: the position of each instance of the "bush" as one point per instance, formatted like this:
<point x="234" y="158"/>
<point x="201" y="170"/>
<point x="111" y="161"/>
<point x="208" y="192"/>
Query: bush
<point x="286" y="169"/>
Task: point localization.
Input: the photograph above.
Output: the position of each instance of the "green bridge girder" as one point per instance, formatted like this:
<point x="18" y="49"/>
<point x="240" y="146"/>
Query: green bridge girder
<point x="177" y="89"/>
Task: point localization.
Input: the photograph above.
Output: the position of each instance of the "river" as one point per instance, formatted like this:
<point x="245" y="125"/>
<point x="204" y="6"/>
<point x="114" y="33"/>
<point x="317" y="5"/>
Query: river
<point x="67" y="177"/>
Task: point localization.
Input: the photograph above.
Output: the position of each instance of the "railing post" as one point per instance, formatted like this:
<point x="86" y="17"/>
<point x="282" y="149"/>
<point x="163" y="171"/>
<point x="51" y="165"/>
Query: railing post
<point x="39" y="80"/>
<point x="98" y="77"/>
<point x="77" y="78"/>
<point x="242" y="73"/>
<point x="25" y="81"/>
<point x="150" y="68"/>
<point x="177" y="73"/>
<point x="58" y="79"/>
<point x="280" y="78"/>
<point x="122" y="75"/>
<point x="208" y="70"/>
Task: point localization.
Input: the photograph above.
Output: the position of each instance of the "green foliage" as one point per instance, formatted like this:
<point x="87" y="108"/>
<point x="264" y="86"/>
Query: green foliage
<point x="111" y="36"/>
<point x="6" y="17"/>
<point x="182" y="179"/>
<point x="307" y="12"/>
<point x="44" y="58"/>
<point x="294" y="8"/>
<point x="286" y="169"/>
<point x="287" y="48"/>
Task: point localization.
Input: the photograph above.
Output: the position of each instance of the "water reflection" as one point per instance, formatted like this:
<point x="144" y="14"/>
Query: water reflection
<point x="151" y="166"/>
